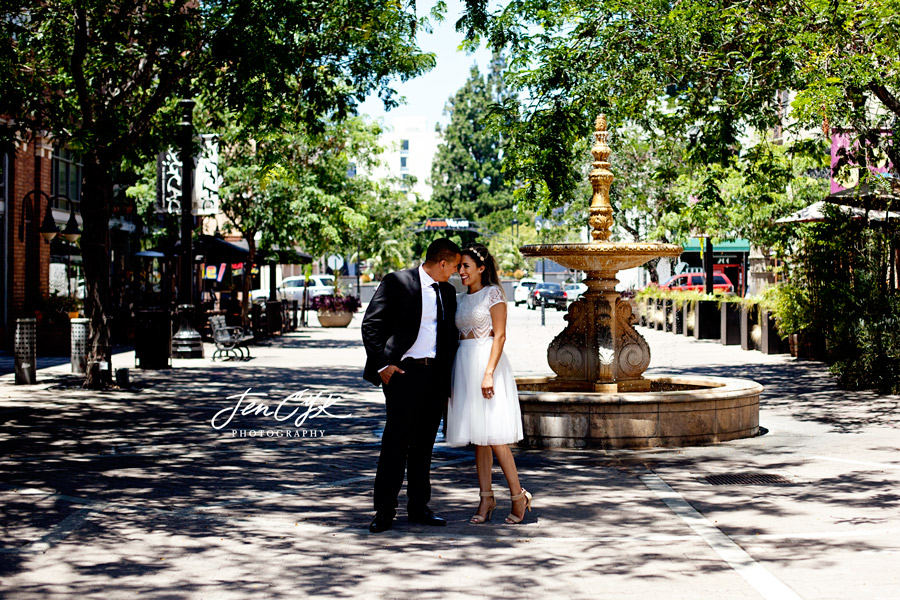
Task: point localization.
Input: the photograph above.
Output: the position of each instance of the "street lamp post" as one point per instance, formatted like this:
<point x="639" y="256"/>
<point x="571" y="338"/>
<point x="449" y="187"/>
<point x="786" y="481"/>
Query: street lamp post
<point x="186" y="343"/>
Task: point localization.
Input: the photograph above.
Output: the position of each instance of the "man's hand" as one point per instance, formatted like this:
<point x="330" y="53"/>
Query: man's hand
<point x="388" y="372"/>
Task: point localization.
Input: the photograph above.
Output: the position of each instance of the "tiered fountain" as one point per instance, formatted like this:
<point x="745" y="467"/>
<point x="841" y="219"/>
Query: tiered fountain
<point x="600" y="396"/>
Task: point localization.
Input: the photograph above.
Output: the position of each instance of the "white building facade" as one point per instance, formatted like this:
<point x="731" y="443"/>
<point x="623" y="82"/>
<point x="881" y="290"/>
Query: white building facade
<point x="410" y="144"/>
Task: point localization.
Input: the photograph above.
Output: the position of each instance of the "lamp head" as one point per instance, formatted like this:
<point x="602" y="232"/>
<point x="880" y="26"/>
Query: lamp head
<point x="48" y="228"/>
<point x="71" y="232"/>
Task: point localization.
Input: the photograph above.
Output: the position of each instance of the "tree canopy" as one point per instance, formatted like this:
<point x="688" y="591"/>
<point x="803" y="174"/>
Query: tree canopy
<point x="708" y="73"/>
<point x="102" y="77"/>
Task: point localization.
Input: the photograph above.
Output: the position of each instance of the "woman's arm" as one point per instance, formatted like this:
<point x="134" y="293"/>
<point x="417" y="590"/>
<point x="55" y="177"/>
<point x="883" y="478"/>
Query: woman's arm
<point x="498" y="322"/>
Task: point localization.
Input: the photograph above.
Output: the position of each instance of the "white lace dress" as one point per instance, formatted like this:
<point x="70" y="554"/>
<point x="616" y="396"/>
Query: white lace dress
<point x="472" y="418"/>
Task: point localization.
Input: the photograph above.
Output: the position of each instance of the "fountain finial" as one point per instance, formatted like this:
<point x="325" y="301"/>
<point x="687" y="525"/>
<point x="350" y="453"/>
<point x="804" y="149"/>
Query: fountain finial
<point x="601" y="213"/>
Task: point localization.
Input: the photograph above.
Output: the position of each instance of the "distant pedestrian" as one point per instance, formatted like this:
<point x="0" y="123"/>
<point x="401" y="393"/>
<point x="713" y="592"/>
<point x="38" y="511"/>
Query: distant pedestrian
<point x="411" y="341"/>
<point x="484" y="402"/>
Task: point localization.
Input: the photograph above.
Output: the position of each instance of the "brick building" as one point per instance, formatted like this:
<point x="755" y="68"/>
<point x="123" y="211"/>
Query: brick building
<point x="32" y="173"/>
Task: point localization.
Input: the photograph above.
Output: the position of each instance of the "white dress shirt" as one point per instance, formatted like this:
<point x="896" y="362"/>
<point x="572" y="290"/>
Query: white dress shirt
<point x="425" y="345"/>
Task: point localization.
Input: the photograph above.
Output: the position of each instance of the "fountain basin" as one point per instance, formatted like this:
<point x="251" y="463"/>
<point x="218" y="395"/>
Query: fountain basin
<point x="677" y="411"/>
<point x="602" y="257"/>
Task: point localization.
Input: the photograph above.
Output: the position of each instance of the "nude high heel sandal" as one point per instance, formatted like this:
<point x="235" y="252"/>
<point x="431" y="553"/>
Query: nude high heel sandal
<point x="513" y="519"/>
<point x="478" y="519"/>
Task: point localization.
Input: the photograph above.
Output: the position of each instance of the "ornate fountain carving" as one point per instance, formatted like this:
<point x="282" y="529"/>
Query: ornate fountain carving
<point x="599" y="350"/>
<point x="601" y="177"/>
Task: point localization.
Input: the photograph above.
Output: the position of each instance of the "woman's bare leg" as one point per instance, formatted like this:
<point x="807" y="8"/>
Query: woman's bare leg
<point x="508" y="465"/>
<point x="484" y="462"/>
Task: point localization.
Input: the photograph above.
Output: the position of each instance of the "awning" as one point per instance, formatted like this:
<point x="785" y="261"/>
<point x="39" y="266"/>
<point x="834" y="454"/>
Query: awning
<point x="816" y="212"/>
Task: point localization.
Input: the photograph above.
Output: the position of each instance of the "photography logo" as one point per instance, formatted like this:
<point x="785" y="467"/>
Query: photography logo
<point x="291" y="413"/>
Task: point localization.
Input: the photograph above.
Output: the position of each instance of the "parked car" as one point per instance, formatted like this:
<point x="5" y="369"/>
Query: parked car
<point x="523" y="289"/>
<point x="291" y="288"/>
<point x="547" y="294"/>
<point x="574" y="291"/>
<point x="697" y="281"/>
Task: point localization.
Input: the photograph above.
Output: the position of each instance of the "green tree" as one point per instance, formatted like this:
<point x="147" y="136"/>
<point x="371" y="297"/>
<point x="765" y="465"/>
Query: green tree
<point x="466" y="176"/>
<point x="708" y="73"/>
<point x="298" y="188"/>
<point x="102" y="77"/>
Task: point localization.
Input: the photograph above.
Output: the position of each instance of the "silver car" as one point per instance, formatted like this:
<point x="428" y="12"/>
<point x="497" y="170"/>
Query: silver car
<point x="523" y="290"/>
<point x="574" y="291"/>
<point x="291" y="288"/>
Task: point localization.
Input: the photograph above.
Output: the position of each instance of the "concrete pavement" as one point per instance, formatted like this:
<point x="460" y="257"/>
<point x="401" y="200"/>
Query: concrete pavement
<point x="135" y="492"/>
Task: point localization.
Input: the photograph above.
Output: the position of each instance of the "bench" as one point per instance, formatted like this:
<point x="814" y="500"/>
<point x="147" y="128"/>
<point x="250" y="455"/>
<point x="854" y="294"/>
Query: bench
<point x="231" y="342"/>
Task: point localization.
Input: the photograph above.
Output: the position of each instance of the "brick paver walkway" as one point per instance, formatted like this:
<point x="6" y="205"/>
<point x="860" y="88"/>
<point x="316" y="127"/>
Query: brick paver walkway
<point x="133" y="492"/>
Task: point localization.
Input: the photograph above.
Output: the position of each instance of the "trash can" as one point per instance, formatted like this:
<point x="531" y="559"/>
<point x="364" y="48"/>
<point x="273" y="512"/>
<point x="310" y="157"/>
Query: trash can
<point x="26" y="351"/>
<point x="258" y="321"/>
<point x="79" y="339"/>
<point x="273" y="316"/>
<point x="153" y="339"/>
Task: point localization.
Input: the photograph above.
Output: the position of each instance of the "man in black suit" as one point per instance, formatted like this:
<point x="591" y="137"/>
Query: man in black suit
<point x="411" y="339"/>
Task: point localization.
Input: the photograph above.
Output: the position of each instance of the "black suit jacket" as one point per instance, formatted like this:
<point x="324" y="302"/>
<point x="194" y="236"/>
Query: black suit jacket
<point x="391" y="325"/>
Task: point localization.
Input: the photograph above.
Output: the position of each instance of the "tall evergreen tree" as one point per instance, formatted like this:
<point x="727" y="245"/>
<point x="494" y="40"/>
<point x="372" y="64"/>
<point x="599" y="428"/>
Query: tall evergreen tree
<point x="466" y="175"/>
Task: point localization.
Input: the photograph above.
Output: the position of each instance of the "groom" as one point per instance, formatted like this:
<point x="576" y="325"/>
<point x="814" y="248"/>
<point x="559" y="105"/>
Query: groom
<point x="411" y="339"/>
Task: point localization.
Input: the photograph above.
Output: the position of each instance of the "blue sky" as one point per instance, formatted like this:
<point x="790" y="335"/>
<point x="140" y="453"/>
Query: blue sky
<point x="426" y="95"/>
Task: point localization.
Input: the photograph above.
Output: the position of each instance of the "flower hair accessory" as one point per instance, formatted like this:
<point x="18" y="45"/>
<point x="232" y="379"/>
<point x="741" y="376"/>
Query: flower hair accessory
<point x="476" y="253"/>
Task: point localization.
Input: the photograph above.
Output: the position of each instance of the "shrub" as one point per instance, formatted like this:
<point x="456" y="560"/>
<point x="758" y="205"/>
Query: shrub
<point x="337" y="303"/>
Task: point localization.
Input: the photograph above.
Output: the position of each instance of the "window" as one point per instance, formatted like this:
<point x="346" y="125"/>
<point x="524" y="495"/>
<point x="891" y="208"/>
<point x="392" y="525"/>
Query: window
<point x="404" y="145"/>
<point x="66" y="179"/>
<point x="696" y="279"/>
<point x="403" y="163"/>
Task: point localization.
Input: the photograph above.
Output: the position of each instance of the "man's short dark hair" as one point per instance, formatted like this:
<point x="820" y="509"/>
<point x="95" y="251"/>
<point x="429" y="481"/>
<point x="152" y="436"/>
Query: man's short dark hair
<point x="441" y="249"/>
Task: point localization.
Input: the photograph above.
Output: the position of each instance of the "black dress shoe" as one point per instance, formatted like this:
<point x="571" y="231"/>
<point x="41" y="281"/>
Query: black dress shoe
<point x="426" y="517"/>
<point x="381" y="523"/>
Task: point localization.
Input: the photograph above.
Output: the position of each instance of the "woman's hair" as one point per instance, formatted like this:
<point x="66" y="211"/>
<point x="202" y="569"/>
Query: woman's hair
<point x="483" y="258"/>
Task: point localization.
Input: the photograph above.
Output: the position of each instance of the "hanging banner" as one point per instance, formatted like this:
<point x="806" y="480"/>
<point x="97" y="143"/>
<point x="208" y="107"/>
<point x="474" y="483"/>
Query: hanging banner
<point x="205" y="196"/>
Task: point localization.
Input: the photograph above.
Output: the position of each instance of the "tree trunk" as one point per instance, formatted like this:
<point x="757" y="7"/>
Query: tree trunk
<point x="245" y="296"/>
<point x="96" y="194"/>
<point x="651" y="269"/>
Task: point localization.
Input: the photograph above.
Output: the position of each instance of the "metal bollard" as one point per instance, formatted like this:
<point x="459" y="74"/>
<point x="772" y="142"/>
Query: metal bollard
<point x="26" y="351"/>
<point x="79" y="345"/>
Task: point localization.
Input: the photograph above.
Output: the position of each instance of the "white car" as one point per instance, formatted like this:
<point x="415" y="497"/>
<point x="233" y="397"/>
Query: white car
<point x="574" y="291"/>
<point x="291" y="288"/>
<point x="523" y="289"/>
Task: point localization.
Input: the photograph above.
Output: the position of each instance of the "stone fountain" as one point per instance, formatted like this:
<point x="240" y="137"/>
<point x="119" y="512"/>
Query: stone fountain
<point x="600" y="396"/>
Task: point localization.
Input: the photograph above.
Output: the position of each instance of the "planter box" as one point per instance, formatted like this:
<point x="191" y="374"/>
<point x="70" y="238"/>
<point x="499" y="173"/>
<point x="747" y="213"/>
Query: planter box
<point x="687" y="318"/>
<point x="750" y="330"/>
<point x="334" y="319"/>
<point x="807" y="346"/>
<point x="677" y="318"/>
<point x="730" y="324"/>
<point x="707" y="320"/>
<point x="769" y="340"/>
<point x="669" y="315"/>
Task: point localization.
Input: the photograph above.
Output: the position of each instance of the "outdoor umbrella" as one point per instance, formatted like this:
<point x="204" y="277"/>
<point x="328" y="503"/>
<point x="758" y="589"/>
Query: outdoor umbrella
<point x="816" y="212"/>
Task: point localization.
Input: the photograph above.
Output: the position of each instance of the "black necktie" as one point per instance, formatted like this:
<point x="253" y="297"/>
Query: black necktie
<point x="440" y="306"/>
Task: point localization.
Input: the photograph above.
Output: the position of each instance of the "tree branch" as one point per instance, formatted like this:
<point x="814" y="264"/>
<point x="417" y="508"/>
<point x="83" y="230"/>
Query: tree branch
<point x="888" y="99"/>
<point x="79" y="52"/>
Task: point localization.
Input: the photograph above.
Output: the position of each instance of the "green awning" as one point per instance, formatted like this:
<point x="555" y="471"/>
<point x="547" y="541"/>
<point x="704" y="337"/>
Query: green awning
<point x="694" y="245"/>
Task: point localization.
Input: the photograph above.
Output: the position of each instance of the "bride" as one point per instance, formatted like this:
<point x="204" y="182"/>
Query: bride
<point x="484" y="404"/>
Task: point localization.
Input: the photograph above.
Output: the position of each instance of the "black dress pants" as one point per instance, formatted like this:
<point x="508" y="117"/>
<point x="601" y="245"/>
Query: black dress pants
<point x="414" y="410"/>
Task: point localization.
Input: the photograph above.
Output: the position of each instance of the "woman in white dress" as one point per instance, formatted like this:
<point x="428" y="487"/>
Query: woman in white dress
<point x="484" y="404"/>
